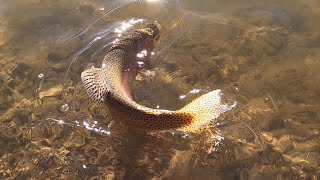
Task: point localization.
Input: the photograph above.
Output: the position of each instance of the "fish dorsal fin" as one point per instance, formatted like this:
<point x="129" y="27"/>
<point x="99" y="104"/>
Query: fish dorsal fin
<point x="95" y="84"/>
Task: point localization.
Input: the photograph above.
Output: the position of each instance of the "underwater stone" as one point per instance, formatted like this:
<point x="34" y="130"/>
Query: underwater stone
<point x="10" y="82"/>
<point x="296" y="170"/>
<point x="115" y="162"/>
<point x="274" y="121"/>
<point x="267" y="136"/>
<point x="75" y="141"/>
<point x="58" y="67"/>
<point x="54" y="57"/>
<point x="20" y="70"/>
<point x="110" y="153"/>
<point x="285" y="143"/>
<point x="301" y="129"/>
<point x="34" y="118"/>
<point x="5" y="102"/>
<point x="7" y="91"/>
<point x="53" y="91"/>
<point x="150" y="171"/>
<point x="1" y="82"/>
<point x="22" y="115"/>
<point x="86" y="8"/>
<point x="111" y="175"/>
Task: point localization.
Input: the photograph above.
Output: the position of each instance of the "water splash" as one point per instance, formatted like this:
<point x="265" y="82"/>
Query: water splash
<point x="115" y="30"/>
<point x="108" y="36"/>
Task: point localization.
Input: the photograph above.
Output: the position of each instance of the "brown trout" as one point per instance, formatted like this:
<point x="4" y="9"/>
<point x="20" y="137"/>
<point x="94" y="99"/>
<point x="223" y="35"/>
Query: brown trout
<point x="110" y="85"/>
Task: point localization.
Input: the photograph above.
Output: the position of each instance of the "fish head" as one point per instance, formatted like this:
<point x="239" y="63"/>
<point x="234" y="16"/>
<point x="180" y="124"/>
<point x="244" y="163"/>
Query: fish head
<point x="155" y="29"/>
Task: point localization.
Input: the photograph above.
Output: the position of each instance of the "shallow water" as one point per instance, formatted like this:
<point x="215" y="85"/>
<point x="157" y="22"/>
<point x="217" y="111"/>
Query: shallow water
<point x="265" y="56"/>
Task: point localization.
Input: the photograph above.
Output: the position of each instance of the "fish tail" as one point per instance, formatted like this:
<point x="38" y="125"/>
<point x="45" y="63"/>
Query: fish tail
<point x="94" y="84"/>
<point x="203" y="109"/>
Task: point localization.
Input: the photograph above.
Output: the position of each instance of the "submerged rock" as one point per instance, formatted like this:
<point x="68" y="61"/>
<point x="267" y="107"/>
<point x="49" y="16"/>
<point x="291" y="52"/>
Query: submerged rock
<point x="3" y="29"/>
<point x="1" y="82"/>
<point x="285" y="144"/>
<point x="10" y="82"/>
<point x="22" y="115"/>
<point x="299" y="129"/>
<point x="54" y="57"/>
<point x="20" y="70"/>
<point x="75" y="141"/>
<point x="51" y="92"/>
<point x="110" y="153"/>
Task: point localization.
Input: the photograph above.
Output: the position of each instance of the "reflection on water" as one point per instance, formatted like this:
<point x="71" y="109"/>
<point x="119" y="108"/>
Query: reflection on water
<point x="263" y="55"/>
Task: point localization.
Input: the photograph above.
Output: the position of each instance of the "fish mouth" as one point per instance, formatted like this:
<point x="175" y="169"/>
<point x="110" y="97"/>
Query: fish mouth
<point x="155" y="28"/>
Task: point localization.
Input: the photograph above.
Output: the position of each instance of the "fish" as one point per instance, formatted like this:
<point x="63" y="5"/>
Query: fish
<point x="110" y="85"/>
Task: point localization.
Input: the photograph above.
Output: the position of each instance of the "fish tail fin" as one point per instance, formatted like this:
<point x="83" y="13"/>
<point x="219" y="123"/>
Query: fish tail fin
<point x="94" y="84"/>
<point x="204" y="109"/>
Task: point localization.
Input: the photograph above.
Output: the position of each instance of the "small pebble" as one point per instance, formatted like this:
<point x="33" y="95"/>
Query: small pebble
<point x="110" y="153"/>
<point x="111" y="176"/>
<point x="53" y="91"/>
<point x="285" y="144"/>
<point x="10" y="82"/>
<point x="20" y="70"/>
<point x="1" y="82"/>
<point x="267" y="136"/>
<point x="296" y="170"/>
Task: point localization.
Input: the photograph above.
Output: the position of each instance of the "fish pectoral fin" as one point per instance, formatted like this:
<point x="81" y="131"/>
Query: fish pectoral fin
<point x="95" y="84"/>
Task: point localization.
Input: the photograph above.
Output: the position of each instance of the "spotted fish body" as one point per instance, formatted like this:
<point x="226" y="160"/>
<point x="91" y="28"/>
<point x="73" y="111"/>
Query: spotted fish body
<point x="109" y="85"/>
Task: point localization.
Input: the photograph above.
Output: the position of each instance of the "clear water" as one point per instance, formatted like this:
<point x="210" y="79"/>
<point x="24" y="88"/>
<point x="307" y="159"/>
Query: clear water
<point x="264" y="55"/>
